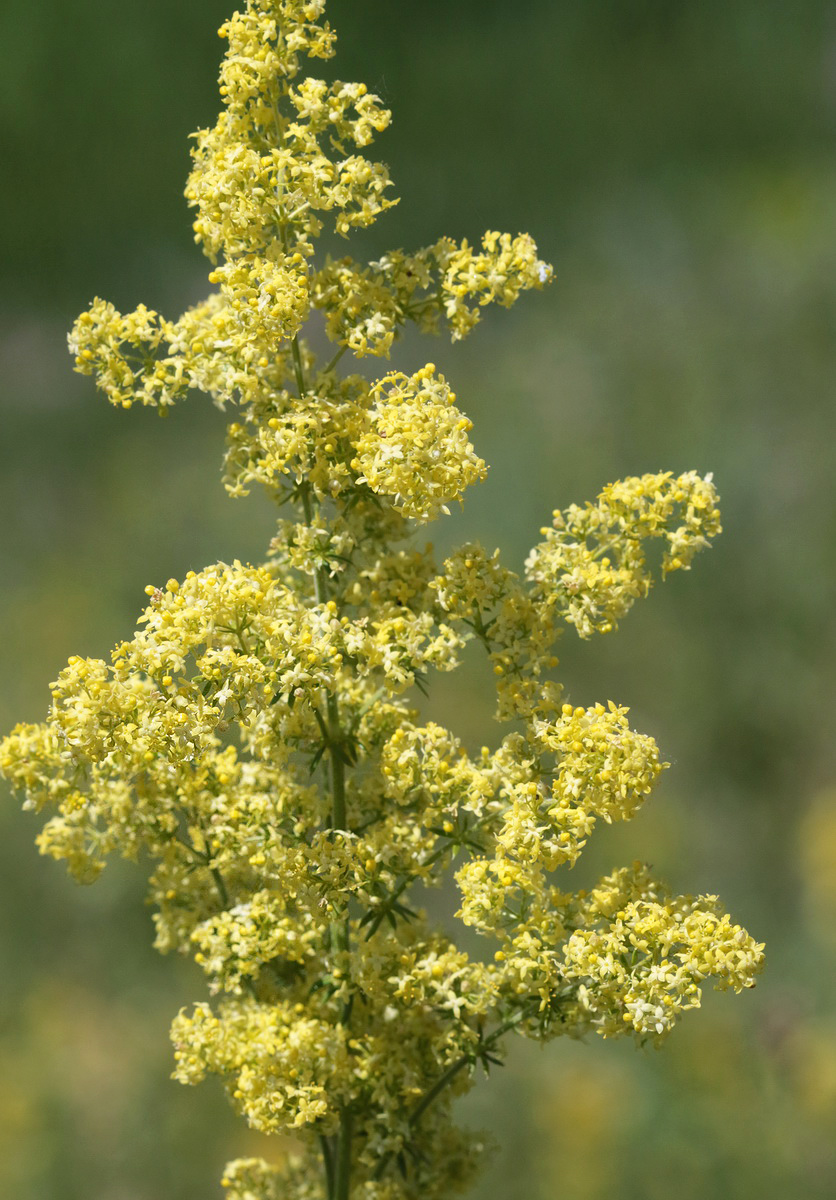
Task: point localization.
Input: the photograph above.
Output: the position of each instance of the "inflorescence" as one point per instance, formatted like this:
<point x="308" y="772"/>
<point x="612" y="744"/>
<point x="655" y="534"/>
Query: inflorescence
<point x="255" y="738"/>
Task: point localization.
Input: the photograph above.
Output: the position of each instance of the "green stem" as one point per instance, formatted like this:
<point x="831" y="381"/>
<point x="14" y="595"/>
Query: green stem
<point x="221" y="886"/>
<point x="340" y="1165"/>
<point x="328" y="1164"/>
<point x="400" y="889"/>
<point x="453" y="1070"/>
<point x="337" y="764"/>
<point x="335" y="736"/>
<point x="297" y="366"/>
<point x="447" y="1078"/>
<point x="204" y="857"/>
<point x="335" y="360"/>
<point x="437" y="1088"/>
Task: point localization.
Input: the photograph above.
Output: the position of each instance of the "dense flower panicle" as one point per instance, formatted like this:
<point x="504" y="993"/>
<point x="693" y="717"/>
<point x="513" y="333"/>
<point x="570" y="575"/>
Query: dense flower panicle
<point x="506" y="267"/>
<point x="255" y="740"/>
<point x="366" y="307"/>
<point x="601" y="762"/>
<point x="206" y="352"/>
<point x="416" y="448"/>
<point x="121" y="351"/>
<point x="233" y="946"/>
<point x="640" y="954"/>
<point x="282" y="443"/>
<point x="601" y="769"/>
<point x="283" y="1064"/>
<point x="427" y="767"/>
<point x="592" y="565"/>
<point x="279" y="154"/>
<point x="268" y="296"/>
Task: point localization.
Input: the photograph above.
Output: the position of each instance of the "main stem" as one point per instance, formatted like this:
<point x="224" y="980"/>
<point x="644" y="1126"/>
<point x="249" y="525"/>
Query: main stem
<point x="338" y="1168"/>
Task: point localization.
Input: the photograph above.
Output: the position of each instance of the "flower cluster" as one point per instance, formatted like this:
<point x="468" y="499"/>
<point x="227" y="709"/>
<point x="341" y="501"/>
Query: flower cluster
<point x="278" y="154"/>
<point x="639" y="954"/>
<point x="592" y="565"/>
<point x="255" y="741"/>
<point x="416" y="448"/>
<point x="365" y="307"/>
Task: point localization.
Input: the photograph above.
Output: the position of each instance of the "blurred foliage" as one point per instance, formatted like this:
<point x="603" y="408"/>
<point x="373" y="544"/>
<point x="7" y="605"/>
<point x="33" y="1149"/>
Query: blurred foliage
<point x="676" y="164"/>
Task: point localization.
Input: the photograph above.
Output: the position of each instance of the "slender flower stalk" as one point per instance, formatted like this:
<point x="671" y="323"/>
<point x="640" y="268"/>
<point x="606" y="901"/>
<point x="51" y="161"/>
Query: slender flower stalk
<point x="255" y="739"/>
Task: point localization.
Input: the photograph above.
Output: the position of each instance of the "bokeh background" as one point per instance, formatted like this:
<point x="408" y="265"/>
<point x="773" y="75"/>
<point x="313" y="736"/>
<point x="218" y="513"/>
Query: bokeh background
<point x="676" y="162"/>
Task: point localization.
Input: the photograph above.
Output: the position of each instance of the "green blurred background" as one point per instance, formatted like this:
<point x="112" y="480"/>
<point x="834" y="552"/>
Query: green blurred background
<point x="676" y="163"/>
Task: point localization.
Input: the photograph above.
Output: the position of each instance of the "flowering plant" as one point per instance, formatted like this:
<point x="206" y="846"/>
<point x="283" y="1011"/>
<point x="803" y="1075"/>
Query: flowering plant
<point x="255" y="739"/>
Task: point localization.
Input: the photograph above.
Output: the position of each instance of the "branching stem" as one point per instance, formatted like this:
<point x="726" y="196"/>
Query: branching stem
<point x="332" y="364"/>
<point x="444" y="1080"/>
